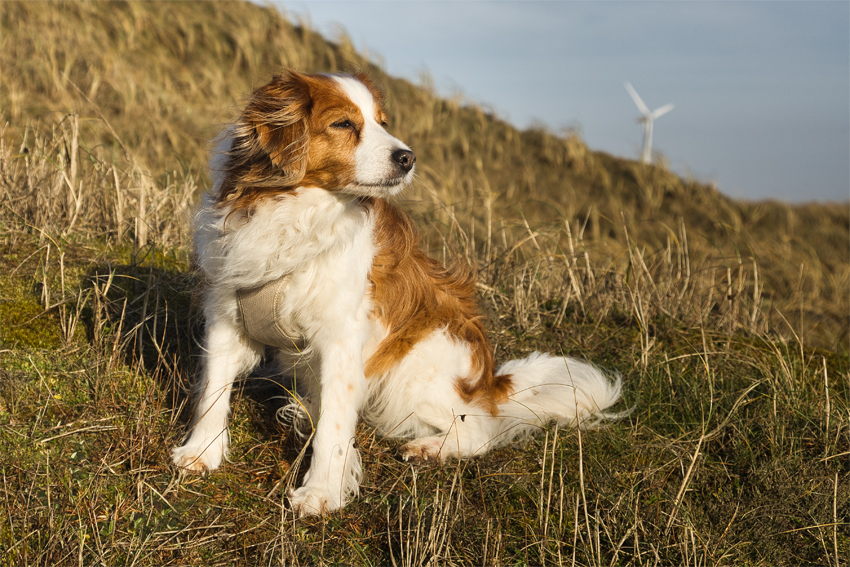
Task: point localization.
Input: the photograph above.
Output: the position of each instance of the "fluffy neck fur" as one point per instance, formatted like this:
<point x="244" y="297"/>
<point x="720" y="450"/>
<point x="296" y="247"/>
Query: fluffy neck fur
<point x="247" y="247"/>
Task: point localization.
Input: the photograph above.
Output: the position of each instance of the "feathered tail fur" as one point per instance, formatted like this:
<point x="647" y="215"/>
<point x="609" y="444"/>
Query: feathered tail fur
<point x="555" y="389"/>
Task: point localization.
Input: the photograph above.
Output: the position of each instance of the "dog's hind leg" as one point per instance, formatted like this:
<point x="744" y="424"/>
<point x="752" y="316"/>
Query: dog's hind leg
<point x="463" y="430"/>
<point x="419" y="399"/>
<point x="228" y="352"/>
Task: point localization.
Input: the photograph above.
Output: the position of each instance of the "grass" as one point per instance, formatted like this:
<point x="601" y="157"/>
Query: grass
<point x="727" y="319"/>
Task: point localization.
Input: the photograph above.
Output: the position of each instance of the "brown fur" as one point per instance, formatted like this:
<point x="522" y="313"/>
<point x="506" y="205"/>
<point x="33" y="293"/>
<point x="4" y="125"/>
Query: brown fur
<point x="284" y="139"/>
<point x="415" y="295"/>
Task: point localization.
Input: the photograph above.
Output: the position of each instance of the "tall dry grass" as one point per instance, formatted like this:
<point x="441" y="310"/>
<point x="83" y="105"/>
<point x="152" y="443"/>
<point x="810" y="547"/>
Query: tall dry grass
<point x="728" y="320"/>
<point x="153" y="86"/>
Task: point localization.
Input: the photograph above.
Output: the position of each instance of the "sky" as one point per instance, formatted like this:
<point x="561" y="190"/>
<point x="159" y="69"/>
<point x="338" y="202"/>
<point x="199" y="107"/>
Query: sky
<point x="761" y="88"/>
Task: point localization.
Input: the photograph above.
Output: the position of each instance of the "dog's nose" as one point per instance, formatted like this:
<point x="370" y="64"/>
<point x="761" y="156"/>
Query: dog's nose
<point x="405" y="159"/>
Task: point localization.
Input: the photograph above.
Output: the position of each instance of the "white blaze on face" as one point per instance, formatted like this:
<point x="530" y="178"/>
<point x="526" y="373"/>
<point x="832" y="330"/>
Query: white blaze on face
<point x="376" y="172"/>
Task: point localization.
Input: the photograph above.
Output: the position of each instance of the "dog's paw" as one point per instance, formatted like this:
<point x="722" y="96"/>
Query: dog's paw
<point x="425" y="449"/>
<point x="312" y="501"/>
<point x="198" y="459"/>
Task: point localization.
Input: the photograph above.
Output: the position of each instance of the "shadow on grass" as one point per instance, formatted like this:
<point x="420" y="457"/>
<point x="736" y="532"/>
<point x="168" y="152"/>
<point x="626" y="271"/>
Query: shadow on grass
<point x="150" y="319"/>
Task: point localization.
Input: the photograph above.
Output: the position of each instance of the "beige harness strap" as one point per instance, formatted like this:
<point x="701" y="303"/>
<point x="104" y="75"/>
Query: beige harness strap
<point x="260" y="310"/>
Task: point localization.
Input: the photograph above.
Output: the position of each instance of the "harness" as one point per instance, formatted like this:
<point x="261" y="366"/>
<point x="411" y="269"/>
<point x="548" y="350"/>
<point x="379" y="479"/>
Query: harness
<point x="260" y="310"/>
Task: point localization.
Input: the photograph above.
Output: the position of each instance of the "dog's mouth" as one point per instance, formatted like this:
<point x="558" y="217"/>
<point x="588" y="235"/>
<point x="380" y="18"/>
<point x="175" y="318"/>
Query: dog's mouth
<point x="384" y="187"/>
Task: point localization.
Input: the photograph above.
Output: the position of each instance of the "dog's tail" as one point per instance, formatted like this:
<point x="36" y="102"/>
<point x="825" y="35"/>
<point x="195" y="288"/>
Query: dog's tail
<point x="550" y="388"/>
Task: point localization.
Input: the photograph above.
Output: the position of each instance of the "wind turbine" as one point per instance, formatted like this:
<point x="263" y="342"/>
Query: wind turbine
<point x="647" y="119"/>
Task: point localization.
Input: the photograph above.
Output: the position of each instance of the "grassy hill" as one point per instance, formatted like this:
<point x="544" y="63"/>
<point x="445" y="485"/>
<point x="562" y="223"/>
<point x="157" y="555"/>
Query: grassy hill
<point x="728" y="320"/>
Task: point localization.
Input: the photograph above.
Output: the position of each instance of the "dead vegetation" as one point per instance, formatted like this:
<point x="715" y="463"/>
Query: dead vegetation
<point x="728" y="320"/>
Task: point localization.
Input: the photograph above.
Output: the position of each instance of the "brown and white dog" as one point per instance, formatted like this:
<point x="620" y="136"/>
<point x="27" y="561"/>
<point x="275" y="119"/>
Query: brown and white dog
<point x="299" y="209"/>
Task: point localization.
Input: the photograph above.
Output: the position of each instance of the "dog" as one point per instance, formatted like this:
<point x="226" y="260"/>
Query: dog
<point x="301" y="250"/>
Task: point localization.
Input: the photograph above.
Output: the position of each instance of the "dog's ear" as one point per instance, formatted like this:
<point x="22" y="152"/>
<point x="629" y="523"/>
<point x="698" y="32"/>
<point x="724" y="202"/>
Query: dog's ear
<point x="276" y="121"/>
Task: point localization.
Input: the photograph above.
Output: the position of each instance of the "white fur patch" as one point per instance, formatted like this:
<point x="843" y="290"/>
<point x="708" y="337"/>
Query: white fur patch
<point x="325" y="242"/>
<point x="373" y="157"/>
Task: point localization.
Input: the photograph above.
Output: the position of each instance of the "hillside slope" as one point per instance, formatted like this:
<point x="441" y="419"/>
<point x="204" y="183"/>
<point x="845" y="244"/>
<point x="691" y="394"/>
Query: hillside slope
<point x="160" y="82"/>
<point x="727" y="320"/>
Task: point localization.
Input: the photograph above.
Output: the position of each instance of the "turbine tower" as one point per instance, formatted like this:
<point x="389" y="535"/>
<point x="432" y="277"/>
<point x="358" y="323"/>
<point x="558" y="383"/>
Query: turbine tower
<point x="647" y="119"/>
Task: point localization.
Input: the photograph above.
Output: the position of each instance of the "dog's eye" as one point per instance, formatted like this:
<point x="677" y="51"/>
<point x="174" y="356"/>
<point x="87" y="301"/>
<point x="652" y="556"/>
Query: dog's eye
<point x="384" y="124"/>
<point x="343" y="124"/>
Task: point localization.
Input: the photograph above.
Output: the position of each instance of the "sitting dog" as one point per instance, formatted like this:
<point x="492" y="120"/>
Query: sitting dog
<point x="301" y="250"/>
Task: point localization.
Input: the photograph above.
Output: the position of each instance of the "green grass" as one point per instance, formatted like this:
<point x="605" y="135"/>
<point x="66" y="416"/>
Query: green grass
<point x="727" y="319"/>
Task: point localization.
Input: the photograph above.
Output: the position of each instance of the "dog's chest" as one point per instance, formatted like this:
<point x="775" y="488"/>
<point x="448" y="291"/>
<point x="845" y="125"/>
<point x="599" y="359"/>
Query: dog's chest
<point x="316" y="272"/>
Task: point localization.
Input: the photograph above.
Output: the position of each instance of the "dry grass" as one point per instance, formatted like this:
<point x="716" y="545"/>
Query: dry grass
<point x="728" y="320"/>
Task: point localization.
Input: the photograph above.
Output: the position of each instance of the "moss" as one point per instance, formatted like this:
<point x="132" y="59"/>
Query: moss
<point x="23" y="321"/>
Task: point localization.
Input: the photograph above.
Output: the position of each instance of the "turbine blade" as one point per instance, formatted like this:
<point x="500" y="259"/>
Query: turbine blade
<point x="661" y="111"/>
<point x="638" y="101"/>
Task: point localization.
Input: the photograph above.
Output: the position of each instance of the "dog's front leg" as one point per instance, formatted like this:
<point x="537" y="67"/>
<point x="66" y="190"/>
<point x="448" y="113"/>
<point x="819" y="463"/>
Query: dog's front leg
<point x="227" y="353"/>
<point x="335" y="472"/>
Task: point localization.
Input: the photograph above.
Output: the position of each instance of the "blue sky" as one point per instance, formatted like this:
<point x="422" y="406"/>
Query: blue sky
<point x="762" y="89"/>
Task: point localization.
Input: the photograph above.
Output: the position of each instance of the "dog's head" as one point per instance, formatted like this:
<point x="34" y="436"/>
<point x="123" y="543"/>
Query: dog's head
<point x="324" y="131"/>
